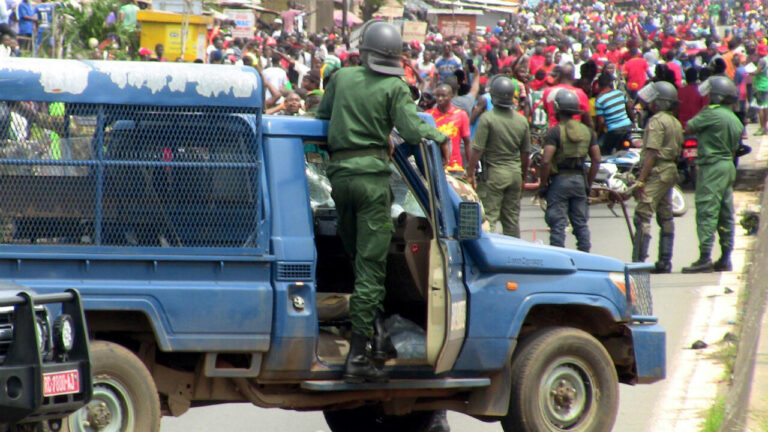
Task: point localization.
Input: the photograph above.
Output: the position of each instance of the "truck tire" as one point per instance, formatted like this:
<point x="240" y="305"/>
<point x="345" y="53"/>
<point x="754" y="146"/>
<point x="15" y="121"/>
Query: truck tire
<point x="372" y="419"/>
<point x="562" y="379"/>
<point x="124" y="395"/>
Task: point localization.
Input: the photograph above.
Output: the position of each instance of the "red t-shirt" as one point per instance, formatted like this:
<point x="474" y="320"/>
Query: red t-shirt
<point x="691" y="102"/>
<point x="636" y="71"/>
<point x="614" y="56"/>
<point x="678" y="71"/>
<point x="535" y="63"/>
<point x="455" y="124"/>
<point x="549" y="101"/>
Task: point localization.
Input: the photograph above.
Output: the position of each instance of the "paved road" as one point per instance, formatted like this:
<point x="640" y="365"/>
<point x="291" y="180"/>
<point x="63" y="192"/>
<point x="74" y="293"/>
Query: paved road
<point x="672" y="295"/>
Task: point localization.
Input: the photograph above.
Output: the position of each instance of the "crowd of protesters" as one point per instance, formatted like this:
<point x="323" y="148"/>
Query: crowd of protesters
<point x="605" y="51"/>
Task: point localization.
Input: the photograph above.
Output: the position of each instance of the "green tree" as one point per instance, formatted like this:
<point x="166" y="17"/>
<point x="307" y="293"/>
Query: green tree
<point x="77" y="24"/>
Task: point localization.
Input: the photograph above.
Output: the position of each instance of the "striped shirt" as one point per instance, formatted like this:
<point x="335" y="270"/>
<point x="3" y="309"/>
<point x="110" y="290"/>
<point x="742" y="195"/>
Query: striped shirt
<point x="612" y="106"/>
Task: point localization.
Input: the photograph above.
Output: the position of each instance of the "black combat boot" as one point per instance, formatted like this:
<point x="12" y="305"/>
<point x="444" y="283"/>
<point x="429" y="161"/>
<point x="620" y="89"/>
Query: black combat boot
<point x="724" y="262"/>
<point x="702" y="265"/>
<point x="359" y="368"/>
<point x="664" y="264"/>
<point x="640" y="245"/>
<point x="383" y="349"/>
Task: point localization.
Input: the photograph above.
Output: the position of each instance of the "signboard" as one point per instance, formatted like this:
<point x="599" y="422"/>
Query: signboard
<point x="414" y="30"/>
<point x="244" y="22"/>
<point x="456" y="25"/>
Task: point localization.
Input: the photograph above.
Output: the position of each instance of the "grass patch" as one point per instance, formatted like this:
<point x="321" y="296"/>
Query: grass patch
<point x="727" y="356"/>
<point x="715" y="416"/>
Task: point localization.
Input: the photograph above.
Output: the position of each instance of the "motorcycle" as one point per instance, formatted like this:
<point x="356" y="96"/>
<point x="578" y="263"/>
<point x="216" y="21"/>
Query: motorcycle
<point x="686" y="166"/>
<point x="618" y="174"/>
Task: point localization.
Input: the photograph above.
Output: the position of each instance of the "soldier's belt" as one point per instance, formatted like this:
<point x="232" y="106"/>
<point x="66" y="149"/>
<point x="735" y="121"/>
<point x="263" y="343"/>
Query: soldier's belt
<point x="343" y="155"/>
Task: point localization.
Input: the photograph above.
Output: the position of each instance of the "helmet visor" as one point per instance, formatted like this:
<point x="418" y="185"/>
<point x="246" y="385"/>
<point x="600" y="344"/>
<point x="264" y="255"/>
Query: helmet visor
<point x="648" y="93"/>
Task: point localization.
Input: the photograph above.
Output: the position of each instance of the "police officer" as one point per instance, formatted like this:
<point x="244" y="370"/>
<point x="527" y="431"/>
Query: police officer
<point x="662" y="142"/>
<point x="719" y="132"/>
<point x="363" y="104"/>
<point x="503" y="137"/>
<point x="563" y="183"/>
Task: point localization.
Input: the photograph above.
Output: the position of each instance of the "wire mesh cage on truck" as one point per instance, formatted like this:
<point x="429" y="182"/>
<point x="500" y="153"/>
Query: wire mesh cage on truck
<point x="85" y="161"/>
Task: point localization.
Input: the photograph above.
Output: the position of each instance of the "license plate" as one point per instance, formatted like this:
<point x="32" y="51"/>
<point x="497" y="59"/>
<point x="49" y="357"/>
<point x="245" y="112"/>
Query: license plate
<point x="690" y="152"/>
<point x="61" y="383"/>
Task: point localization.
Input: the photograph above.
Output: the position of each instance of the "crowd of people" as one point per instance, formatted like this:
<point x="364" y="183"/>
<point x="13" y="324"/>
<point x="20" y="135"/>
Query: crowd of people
<point x="574" y="78"/>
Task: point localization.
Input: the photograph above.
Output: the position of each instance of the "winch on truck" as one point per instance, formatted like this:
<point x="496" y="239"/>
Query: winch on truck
<point x="199" y="233"/>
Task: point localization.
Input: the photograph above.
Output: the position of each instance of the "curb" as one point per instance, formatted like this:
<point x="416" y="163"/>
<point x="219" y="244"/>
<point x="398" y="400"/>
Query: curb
<point x="739" y="400"/>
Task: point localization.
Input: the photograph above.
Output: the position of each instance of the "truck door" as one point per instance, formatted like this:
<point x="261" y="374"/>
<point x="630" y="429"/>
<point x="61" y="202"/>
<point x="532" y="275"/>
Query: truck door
<point x="446" y="296"/>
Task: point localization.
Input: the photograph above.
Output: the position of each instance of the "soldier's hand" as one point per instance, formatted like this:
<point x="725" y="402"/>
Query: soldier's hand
<point x="639" y="191"/>
<point x="470" y="178"/>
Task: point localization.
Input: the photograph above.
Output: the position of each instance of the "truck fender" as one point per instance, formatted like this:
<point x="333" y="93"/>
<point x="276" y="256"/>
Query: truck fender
<point x="565" y="299"/>
<point x="145" y="306"/>
<point x="493" y="401"/>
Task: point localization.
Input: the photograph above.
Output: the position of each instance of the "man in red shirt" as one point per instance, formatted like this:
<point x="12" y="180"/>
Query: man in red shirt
<point x="453" y="122"/>
<point x="636" y="73"/>
<point x="564" y="79"/>
<point x="537" y="59"/>
<point x="691" y="101"/>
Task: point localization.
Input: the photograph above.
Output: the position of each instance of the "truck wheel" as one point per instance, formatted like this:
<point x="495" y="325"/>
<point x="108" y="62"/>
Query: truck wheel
<point x="562" y="379"/>
<point x="372" y="419"/>
<point x="124" y="394"/>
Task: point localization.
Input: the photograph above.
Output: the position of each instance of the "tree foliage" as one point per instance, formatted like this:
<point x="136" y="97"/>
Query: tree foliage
<point x="78" y="23"/>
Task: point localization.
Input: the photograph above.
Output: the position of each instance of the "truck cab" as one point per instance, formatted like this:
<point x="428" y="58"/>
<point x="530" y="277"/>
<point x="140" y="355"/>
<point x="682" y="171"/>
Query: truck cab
<point x="203" y="239"/>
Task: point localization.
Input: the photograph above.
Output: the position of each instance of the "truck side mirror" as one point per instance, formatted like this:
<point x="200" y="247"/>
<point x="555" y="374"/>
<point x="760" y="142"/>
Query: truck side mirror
<point x="470" y="220"/>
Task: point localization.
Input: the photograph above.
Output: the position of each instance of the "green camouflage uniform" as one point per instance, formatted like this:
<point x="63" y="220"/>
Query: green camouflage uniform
<point x="363" y="106"/>
<point x="665" y="135"/>
<point x="719" y="132"/>
<point x="502" y="134"/>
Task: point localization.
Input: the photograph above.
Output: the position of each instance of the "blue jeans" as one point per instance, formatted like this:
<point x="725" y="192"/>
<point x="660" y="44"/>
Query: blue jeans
<point x="567" y="200"/>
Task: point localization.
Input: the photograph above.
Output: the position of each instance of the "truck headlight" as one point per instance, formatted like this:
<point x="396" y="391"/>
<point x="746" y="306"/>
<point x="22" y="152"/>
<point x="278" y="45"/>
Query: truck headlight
<point x="619" y="281"/>
<point x="41" y="328"/>
<point x="64" y="333"/>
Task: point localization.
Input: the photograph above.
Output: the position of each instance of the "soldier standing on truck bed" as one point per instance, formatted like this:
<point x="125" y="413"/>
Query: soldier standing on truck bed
<point x="363" y="104"/>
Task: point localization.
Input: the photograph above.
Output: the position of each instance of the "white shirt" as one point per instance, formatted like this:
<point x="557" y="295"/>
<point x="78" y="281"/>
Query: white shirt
<point x="275" y="76"/>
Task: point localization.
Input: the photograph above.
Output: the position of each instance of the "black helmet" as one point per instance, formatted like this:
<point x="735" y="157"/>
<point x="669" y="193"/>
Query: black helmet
<point x="381" y="48"/>
<point x="503" y="91"/>
<point x="721" y="90"/>
<point x="567" y="102"/>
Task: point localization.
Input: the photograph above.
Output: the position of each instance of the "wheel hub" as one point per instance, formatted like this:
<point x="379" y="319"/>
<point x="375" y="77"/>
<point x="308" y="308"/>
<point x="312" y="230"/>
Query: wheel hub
<point x="564" y="395"/>
<point x="99" y="416"/>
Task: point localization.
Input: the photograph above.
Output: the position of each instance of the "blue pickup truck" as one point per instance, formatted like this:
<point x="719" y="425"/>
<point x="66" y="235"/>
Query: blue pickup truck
<point x="202" y="238"/>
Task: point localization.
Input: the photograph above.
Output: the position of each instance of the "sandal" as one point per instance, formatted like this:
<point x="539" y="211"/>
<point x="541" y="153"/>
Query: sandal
<point x="759" y="133"/>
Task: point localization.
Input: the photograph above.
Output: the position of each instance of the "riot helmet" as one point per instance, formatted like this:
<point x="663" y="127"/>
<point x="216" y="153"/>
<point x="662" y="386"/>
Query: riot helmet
<point x="381" y="47"/>
<point x="720" y="89"/>
<point x="567" y="102"/>
<point x="503" y="91"/>
<point x="662" y="93"/>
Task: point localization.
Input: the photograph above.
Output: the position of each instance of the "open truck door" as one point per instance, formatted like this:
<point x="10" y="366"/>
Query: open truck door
<point x="446" y="293"/>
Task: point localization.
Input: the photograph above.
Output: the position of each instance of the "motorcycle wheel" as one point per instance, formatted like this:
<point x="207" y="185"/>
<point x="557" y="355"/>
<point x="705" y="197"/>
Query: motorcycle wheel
<point x="678" y="202"/>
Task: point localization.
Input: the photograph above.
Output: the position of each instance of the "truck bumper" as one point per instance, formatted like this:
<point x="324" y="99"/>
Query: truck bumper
<point x="24" y="396"/>
<point x="649" y="344"/>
